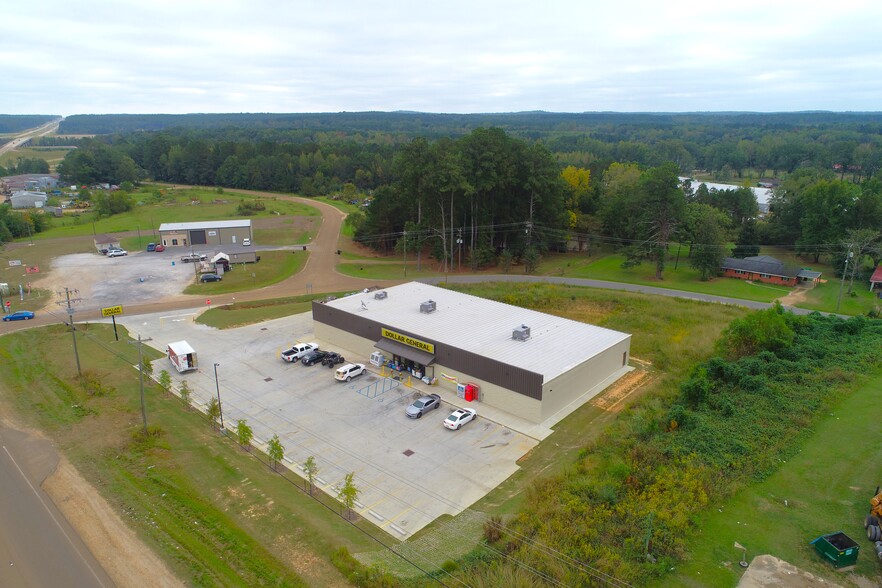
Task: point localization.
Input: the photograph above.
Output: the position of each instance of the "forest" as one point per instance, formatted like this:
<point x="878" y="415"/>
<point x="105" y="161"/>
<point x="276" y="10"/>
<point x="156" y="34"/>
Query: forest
<point x="16" y="123"/>
<point x="509" y="187"/>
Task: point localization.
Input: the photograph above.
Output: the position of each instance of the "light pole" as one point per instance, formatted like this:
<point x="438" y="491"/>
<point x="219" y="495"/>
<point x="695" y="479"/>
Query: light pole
<point x="217" y="387"/>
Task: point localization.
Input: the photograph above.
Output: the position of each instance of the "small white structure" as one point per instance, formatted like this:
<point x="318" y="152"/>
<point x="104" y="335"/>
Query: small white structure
<point x="182" y="356"/>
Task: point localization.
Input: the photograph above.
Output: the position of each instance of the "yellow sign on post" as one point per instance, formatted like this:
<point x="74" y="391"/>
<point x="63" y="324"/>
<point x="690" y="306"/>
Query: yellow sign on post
<point x="111" y="310"/>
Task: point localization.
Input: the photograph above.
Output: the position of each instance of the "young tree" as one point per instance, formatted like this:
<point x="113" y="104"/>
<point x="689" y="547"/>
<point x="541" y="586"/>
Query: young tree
<point x="186" y="393"/>
<point x="532" y="257"/>
<point x="348" y="494"/>
<point x="311" y="470"/>
<point x="164" y="381"/>
<point x="244" y="433"/>
<point x="213" y="411"/>
<point x="275" y="451"/>
<point x="709" y="247"/>
<point x="663" y="204"/>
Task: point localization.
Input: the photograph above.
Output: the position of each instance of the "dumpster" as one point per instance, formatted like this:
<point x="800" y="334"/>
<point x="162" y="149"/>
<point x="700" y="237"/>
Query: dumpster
<point x="837" y="547"/>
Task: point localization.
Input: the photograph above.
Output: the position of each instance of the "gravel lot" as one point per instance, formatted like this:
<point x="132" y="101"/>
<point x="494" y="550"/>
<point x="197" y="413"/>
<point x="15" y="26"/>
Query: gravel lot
<point x="106" y="281"/>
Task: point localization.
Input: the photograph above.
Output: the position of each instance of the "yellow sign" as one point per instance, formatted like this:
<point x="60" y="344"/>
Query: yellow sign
<point x="410" y="341"/>
<point x="111" y="310"/>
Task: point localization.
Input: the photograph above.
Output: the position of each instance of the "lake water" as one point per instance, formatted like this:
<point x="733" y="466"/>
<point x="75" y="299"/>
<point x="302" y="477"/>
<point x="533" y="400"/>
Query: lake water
<point x="762" y="194"/>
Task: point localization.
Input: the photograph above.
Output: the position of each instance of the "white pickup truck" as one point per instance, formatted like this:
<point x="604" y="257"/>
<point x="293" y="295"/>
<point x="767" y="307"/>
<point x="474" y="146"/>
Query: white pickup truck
<point x="297" y="351"/>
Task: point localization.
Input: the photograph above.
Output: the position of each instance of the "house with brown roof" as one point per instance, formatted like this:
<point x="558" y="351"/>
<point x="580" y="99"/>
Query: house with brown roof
<point x="765" y="268"/>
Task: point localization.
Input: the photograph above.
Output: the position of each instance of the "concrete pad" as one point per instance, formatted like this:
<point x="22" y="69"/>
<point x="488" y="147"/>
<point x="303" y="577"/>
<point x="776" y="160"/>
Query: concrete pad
<point x="408" y="471"/>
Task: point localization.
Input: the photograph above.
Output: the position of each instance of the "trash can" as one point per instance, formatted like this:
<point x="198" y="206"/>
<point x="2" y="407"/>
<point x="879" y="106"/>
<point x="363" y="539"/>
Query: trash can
<point x="837" y="547"/>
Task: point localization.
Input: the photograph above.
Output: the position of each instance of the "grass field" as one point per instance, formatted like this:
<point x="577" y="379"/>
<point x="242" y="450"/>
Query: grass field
<point x="248" y="313"/>
<point x="273" y="267"/>
<point x="824" y="489"/>
<point x="53" y="156"/>
<point x="214" y="513"/>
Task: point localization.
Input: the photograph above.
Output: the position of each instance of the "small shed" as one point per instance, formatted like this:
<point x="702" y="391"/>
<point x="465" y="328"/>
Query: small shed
<point x="876" y="278"/>
<point x="105" y="242"/>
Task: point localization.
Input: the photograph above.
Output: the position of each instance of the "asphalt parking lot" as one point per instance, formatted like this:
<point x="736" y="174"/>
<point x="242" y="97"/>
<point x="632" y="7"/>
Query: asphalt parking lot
<point x="409" y="471"/>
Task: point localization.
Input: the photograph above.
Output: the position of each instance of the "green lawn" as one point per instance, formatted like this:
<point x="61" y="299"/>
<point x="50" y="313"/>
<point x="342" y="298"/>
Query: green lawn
<point x="247" y="313"/>
<point x="174" y="206"/>
<point x="827" y="487"/>
<point x="216" y="514"/>
<point x="273" y="267"/>
<point x="386" y="271"/>
<point x="53" y="156"/>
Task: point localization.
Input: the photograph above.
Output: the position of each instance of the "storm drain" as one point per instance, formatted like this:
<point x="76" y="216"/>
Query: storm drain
<point x="408" y="452"/>
<point x="267" y="379"/>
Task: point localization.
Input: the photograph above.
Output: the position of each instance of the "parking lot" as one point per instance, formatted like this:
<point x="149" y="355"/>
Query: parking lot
<point x="408" y="471"/>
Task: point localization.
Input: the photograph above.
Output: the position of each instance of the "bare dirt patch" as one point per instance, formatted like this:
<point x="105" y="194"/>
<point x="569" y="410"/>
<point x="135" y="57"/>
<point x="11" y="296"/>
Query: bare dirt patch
<point x="613" y="399"/>
<point x="795" y="296"/>
<point x="125" y="557"/>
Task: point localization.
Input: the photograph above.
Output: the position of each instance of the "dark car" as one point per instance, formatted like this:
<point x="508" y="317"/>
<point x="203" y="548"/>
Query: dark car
<point x="332" y="359"/>
<point x="210" y="278"/>
<point x="423" y="405"/>
<point x="313" y="357"/>
<point x="151" y="246"/>
<point x="21" y="315"/>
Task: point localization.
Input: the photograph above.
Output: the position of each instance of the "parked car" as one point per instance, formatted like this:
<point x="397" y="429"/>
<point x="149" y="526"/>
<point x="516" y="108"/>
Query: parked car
<point x="116" y="252"/>
<point x="21" y="315"/>
<point x="332" y="359"/>
<point x="151" y="246"/>
<point x="210" y="278"/>
<point x="159" y="247"/>
<point x="423" y="405"/>
<point x="193" y="257"/>
<point x="313" y="357"/>
<point x="459" y="417"/>
<point x="349" y="371"/>
<point x="297" y="351"/>
<point x="246" y="242"/>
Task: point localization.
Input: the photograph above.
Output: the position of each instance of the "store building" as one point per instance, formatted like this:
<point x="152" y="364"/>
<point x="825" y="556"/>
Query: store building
<point x="528" y="363"/>
<point x="219" y="232"/>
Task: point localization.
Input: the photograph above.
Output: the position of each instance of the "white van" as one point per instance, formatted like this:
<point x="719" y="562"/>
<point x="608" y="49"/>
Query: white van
<point x="349" y="371"/>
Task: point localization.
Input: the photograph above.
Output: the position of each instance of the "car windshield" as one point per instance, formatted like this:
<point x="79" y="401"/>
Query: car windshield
<point x="420" y="403"/>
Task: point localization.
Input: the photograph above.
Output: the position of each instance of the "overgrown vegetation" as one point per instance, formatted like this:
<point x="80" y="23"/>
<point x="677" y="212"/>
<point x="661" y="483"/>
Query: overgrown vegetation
<point x="627" y="506"/>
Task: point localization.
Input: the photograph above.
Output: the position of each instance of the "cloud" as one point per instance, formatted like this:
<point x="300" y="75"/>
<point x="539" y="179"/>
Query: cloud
<point x="100" y="56"/>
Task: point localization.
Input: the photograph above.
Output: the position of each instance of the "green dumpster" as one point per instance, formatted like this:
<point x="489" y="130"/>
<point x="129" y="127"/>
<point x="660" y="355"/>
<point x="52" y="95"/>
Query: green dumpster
<point x="838" y="547"/>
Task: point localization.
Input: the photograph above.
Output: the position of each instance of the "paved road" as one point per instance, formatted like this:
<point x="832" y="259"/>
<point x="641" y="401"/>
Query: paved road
<point x="37" y="545"/>
<point x="19" y="140"/>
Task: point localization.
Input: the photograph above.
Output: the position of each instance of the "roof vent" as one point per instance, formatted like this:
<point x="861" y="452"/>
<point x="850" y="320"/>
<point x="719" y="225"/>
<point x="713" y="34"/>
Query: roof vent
<point x="521" y="333"/>
<point x="380" y="295"/>
<point x="428" y="306"/>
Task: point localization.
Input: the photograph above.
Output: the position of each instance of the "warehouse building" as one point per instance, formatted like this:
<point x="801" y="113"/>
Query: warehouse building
<point x="527" y="363"/>
<point x="219" y="232"/>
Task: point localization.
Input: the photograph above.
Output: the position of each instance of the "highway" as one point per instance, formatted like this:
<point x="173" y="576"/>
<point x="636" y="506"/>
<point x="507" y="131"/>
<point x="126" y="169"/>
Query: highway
<point x="19" y="140"/>
<point x="38" y="547"/>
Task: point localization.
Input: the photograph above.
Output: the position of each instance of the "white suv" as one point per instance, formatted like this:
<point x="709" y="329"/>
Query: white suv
<point x="116" y="252"/>
<point x="349" y="371"/>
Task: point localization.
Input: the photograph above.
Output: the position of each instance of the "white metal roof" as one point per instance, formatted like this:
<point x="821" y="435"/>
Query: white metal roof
<point x="219" y="224"/>
<point x="485" y="327"/>
<point x="181" y="348"/>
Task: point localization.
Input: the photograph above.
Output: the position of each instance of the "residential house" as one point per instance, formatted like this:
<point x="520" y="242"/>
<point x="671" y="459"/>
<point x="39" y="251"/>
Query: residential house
<point x="764" y="268"/>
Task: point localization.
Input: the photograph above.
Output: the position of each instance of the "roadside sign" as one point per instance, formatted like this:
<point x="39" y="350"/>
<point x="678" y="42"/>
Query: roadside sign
<point x="111" y="310"/>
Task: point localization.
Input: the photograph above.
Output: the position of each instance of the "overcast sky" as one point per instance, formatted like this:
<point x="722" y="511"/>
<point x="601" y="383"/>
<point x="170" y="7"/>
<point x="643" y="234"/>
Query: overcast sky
<point x="178" y="56"/>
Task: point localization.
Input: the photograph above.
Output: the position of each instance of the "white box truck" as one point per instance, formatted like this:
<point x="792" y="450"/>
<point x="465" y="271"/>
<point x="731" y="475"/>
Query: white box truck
<point x="182" y="356"/>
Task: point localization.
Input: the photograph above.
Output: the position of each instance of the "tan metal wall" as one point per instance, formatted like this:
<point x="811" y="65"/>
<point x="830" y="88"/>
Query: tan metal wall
<point x="569" y="386"/>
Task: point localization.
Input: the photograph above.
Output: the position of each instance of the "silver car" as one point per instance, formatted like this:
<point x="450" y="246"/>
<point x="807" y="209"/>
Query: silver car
<point x="423" y="405"/>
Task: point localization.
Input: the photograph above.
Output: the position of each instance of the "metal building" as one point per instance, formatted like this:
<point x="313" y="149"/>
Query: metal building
<point x="219" y="232"/>
<point x="528" y="363"/>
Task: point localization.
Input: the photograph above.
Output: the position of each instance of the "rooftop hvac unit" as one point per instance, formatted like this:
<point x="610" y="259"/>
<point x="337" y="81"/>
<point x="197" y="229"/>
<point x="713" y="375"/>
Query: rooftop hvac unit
<point x="380" y="295"/>
<point x="521" y="333"/>
<point x="428" y="306"/>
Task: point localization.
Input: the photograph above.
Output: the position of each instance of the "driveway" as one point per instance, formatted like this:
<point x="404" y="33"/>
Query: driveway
<point x="409" y="471"/>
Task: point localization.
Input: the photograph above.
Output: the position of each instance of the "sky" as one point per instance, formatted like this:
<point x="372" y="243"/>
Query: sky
<point x="180" y="56"/>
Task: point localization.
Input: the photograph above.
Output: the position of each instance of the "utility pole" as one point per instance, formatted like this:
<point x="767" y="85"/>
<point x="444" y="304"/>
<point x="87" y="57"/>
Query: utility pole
<point x="842" y="282"/>
<point x="405" y="253"/>
<point x="220" y="410"/>
<point x="459" y="247"/>
<point x="141" y="377"/>
<point x="73" y="331"/>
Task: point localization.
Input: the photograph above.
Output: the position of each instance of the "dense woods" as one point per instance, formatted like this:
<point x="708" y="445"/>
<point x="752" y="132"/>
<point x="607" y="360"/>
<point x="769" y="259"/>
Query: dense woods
<point x="16" y="123"/>
<point x="485" y="189"/>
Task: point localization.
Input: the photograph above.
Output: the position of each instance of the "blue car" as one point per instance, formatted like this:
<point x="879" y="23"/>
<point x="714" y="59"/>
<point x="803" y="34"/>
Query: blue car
<point x="21" y="315"/>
